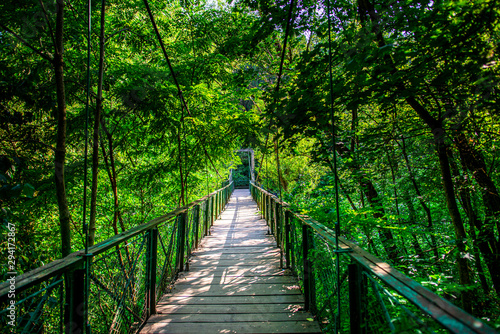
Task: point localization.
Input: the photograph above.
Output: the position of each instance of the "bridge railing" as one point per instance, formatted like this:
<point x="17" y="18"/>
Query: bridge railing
<point x="375" y="297"/>
<point x="127" y="275"/>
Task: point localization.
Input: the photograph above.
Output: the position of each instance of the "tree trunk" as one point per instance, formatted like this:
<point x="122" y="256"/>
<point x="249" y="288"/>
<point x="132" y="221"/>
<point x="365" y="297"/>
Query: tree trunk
<point x="421" y="200"/>
<point x="415" y="185"/>
<point x="463" y="269"/>
<point x="465" y="200"/>
<point x="412" y="220"/>
<point x="386" y="236"/>
<point x="60" y="154"/>
<point x="95" y="141"/>
<point x="474" y="161"/>
<point x="117" y="217"/>
<point x="367" y="10"/>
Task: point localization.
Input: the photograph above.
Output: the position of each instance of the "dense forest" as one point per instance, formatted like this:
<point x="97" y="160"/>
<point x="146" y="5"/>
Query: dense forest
<point x="398" y="98"/>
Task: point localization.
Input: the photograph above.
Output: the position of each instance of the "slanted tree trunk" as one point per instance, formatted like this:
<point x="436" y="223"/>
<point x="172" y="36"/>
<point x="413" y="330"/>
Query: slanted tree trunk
<point x="386" y="236"/>
<point x="111" y="167"/>
<point x="412" y="219"/>
<point x="420" y="199"/>
<point x="463" y="269"/>
<point x="367" y="11"/>
<point x="465" y="200"/>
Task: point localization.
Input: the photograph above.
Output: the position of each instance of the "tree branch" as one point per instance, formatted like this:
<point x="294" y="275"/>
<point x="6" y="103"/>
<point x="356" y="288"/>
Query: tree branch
<point x="22" y="40"/>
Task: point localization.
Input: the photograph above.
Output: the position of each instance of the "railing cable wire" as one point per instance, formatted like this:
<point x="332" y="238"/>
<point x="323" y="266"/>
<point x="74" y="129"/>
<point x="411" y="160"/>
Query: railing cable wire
<point x="337" y="206"/>
<point x="85" y="177"/>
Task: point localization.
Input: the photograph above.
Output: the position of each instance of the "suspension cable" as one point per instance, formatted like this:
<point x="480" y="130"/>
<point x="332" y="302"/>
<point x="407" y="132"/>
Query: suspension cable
<point x="179" y="91"/>
<point x="283" y="51"/>
<point x="261" y="160"/>
<point x="85" y="177"/>
<point x="335" y="172"/>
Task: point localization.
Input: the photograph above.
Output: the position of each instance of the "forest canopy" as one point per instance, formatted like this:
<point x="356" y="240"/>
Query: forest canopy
<point x="397" y="98"/>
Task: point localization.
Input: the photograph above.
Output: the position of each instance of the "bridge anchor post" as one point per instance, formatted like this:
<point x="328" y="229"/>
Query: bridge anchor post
<point x="356" y="292"/>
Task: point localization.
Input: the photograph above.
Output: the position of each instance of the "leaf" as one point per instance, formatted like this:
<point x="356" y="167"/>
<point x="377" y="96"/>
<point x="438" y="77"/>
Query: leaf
<point x="28" y="190"/>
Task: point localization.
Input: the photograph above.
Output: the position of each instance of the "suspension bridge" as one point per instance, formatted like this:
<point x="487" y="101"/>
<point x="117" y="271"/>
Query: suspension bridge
<point x="235" y="261"/>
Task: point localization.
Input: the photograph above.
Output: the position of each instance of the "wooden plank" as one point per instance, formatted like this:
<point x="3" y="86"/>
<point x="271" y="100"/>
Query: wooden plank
<point x="229" y="317"/>
<point x="234" y="309"/>
<point x="225" y="279"/>
<point x="238" y="270"/>
<point x="237" y="256"/>
<point x="235" y="289"/>
<point x="240" y="242"/>
<point x="230" y="300"/>
<point x="235" y="327"/>
<point x="234" y="262"/>
<point x="236" y="250"/>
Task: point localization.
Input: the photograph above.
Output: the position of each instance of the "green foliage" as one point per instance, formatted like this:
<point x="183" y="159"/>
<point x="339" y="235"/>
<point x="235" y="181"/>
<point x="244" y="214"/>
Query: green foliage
<point x="442" y="55"/>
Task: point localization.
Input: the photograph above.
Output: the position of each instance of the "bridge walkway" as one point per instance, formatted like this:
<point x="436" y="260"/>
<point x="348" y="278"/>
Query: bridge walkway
<point x="234" y="283"/>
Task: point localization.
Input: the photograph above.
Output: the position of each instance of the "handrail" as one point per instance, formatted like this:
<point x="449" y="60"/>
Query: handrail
<point x="184" y="235"/>
<point x="74" y="259"/>
<point x="442" y="311"/>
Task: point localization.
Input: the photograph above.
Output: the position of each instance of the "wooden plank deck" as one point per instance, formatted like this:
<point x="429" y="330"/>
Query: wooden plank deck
<point x="234" y="283"/>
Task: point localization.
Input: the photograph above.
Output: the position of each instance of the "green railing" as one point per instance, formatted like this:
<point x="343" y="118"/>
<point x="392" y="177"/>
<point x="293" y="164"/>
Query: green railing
<point x="127" y="275"/>
<point x="374" y="296"/>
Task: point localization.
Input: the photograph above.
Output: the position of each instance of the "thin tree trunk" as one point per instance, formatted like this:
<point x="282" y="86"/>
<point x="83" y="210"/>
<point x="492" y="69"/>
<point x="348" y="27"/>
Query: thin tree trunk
<point x="412" y="220"/>
<point x="95" y="142"/>
<point x="60" y="154"/>
<point x="415" y="185"/>
<point x="421" y="200"/>
<point x="465" y="200"/>
<point x="463" y="269"/>
<point x="112" y="178"/>
<point x="386" y="236"/>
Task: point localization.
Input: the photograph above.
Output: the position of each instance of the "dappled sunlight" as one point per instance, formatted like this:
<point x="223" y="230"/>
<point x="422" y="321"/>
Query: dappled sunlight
<point x="234" y="284"/>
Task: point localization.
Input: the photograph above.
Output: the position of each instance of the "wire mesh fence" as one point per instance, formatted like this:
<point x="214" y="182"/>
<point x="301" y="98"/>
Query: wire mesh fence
<point x="118" y="284"/>
<point x="348" y="289"/>
<point x="127" y="274"/>
<point x="36" y="310"/>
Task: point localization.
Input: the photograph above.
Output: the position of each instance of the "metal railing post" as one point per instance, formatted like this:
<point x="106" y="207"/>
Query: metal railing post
<point x="181" y="240"/>
<point x="212" y="210"/>
<point x="207" y="207"/>
<point x="268" y="213"/>
<point x="355" y="298"/>
<point x="307" y="270"/>
<point x="220" y="204"/>
<point x="309" y="284"/>
<point x="75" y="302"/>
<point x="217" y="205"/>
<point x="264" y="206"/>
<point x="151" y="256"/>
<point x="272" y="219"/>
<point x="196" y="225"/>
<point x="279" y="231"/>
<point x="277" y="223"/>
<point x="287" y="238"/>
